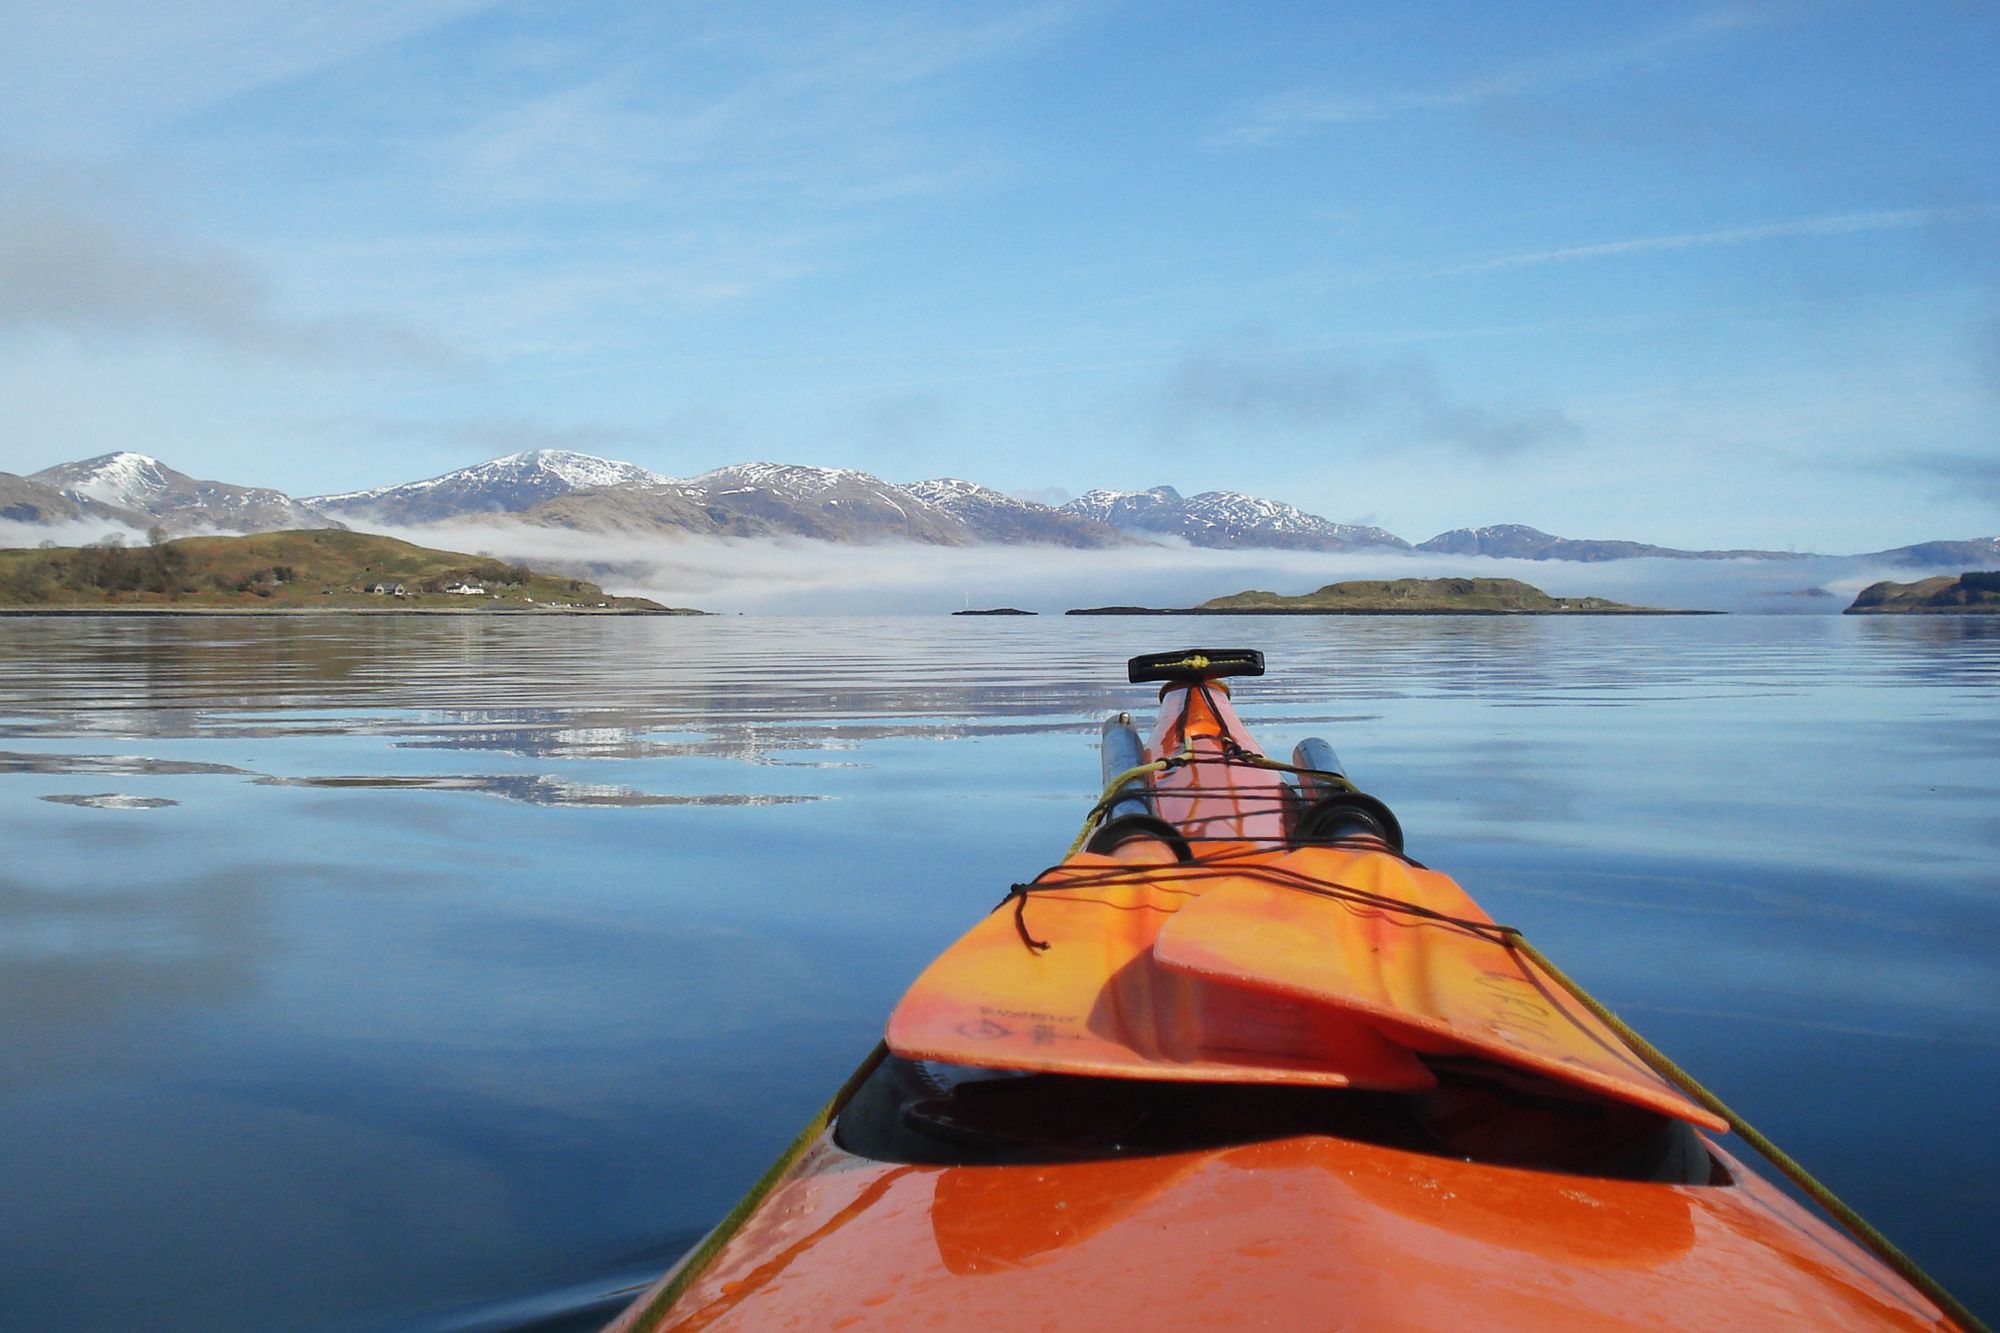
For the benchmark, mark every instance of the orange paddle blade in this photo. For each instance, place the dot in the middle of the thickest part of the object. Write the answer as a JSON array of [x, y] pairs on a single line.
[[1434, 987], [1096, 1002]]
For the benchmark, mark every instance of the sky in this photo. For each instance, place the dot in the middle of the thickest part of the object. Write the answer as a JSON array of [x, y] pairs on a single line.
[[1703, 275]]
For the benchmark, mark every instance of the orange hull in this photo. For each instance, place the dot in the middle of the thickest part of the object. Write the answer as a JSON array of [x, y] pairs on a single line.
[[1268, 1086], [1292, 1234]]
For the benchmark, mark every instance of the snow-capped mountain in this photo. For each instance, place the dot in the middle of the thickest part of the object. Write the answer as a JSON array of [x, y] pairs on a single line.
[[143, 485], [792, 481], [834, 504], [759, 500], [995, 517], [562, 489], [1225, 518], [25, 501], [502, 485]]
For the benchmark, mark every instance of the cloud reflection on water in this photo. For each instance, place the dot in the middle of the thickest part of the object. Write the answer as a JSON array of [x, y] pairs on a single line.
[[594, 1009]]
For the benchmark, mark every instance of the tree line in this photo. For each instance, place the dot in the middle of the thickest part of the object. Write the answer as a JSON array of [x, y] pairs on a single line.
[[56, 575]]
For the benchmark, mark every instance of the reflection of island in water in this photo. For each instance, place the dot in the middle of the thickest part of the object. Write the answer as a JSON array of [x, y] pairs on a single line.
[[1401, 597], [537, 789], [528, 788], [1971, 593], [401, 1004]]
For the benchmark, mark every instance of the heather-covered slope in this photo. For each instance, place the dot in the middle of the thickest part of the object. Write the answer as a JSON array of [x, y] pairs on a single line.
[[318, 569], [1972, 592]]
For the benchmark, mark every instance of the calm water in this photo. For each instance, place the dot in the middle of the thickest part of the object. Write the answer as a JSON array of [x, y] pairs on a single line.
[[455, 975]]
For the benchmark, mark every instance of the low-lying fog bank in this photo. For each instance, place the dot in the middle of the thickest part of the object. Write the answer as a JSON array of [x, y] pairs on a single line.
[[792, 577], [808, 577]]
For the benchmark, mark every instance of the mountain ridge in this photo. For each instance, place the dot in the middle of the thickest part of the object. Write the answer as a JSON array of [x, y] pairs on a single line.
[[1518, 541], [557, 488], [1224, 519], [507, 484], [140, 484], [23, 500]]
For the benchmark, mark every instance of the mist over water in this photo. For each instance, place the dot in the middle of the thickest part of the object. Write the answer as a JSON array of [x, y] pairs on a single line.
[[803, 577], [799, 576], [427, 974]]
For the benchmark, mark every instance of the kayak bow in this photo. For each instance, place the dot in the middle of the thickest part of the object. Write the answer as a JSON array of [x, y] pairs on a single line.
[[1238, 1058]]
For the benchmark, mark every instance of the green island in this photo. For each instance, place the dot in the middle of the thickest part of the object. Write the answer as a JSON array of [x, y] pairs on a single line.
[[317, 570], [1971, 593], [1401, 597]]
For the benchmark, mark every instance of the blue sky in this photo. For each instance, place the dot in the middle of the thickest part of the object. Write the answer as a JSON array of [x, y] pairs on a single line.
[[1704, 275]]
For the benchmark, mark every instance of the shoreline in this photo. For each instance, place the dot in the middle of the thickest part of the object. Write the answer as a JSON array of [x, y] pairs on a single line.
[[299, 612], [1371, 611]]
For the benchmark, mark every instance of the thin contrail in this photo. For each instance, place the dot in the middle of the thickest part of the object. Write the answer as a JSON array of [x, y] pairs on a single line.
[[1838, 224]]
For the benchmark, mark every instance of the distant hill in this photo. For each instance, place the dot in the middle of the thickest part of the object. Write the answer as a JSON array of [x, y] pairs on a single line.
[[1515, 541], [1446, 596], [634, 511], [1969, 593], [317, 569], [1420, 595], [143, 486], [1935, 555]]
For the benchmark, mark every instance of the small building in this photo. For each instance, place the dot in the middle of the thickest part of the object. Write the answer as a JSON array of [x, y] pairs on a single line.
[[465, 589]]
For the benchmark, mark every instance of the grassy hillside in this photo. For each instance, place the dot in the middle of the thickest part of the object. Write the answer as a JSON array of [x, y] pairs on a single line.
[[1419, 595], [320, 569], [1977, 593]]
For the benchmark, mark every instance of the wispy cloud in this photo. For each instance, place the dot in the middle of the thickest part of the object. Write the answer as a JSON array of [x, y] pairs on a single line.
[[670, 163], [69, 272], [1301, 111], [1978, 474], [1254, 389], [1837, 224], [731, 110], [90, 74]]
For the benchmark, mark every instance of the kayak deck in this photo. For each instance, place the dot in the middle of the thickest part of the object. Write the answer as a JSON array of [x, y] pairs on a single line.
[[1219, 1069]]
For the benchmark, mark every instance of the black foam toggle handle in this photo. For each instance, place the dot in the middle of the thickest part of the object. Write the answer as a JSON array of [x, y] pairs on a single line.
[[1192, 664]]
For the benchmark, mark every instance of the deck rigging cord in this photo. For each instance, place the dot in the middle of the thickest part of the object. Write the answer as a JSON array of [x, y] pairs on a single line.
[[1509, 936], [1512, 938], [1236, 859]]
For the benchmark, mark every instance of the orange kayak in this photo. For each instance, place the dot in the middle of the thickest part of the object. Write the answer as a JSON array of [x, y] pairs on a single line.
[[1237, 1059]]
